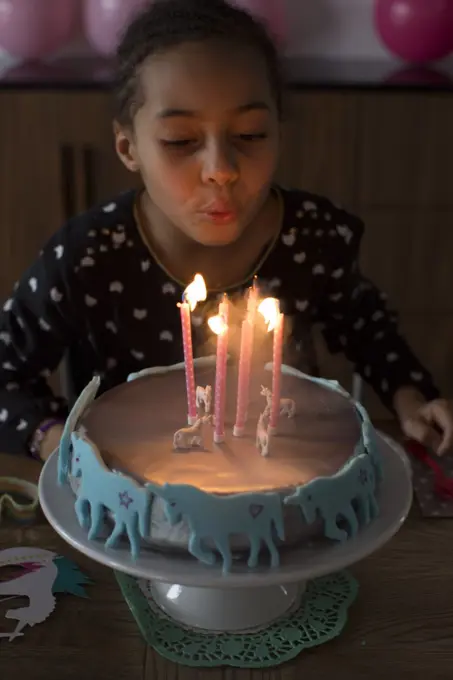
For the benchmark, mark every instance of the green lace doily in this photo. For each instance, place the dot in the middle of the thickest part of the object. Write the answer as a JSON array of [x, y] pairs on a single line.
[[321, 617]]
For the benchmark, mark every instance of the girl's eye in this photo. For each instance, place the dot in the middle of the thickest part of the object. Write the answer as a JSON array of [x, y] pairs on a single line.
[[253, 137], [177, 143]]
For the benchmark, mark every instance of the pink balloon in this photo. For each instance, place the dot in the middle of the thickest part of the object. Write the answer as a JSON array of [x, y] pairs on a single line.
[[105, 20], [32, 29], [272, 13], [416, 30]]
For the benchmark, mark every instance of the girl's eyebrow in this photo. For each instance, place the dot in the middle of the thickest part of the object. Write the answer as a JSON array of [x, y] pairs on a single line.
[[187, 113]]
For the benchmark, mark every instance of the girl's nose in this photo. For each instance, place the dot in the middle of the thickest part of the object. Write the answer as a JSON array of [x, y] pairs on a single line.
[[219, 164]]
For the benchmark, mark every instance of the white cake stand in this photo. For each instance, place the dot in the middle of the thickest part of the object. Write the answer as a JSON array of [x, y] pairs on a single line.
[[201, 597]]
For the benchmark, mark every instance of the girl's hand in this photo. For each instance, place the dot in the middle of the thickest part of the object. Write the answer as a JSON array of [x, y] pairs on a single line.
[[430, 423]]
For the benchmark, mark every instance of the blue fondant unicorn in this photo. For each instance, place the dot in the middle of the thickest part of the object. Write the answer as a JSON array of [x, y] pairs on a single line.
[[84, 400], [333, 497], [215, 517], [101, 490], [369, 439]]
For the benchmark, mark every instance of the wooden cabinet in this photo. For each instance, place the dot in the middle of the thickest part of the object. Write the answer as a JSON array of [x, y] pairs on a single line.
[[30, 206]]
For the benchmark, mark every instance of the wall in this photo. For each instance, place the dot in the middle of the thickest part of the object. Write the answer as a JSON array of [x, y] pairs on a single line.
[[320, 29]]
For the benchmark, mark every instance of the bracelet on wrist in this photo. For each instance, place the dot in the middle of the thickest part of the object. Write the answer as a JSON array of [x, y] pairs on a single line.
[[39, 435]]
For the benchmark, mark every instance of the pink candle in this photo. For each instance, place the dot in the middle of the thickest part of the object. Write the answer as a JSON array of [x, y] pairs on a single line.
[[276, 373], [245, 363], [219, 325], [188, 363], [194, 293]]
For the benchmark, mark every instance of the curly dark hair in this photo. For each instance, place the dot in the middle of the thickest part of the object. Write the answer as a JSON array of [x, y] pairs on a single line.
[[168, 23]]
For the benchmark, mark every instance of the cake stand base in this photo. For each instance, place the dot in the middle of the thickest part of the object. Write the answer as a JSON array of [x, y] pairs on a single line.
[[199, 596], [216, 610]]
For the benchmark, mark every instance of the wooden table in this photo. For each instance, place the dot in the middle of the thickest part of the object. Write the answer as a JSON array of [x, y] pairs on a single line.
[[400, 627]]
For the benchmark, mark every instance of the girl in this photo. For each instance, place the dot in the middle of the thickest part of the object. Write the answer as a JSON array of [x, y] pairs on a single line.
[[198, 102]]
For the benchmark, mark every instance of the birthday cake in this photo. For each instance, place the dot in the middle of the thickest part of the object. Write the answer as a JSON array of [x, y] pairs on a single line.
[[319, 478], [218, 460]]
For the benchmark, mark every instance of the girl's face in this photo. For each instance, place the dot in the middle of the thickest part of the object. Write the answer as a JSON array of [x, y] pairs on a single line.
[[206, 139]]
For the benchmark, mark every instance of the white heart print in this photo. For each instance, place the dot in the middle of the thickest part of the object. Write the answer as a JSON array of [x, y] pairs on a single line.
[[309, 206], [90, 301], [166, 336], [3, 415], [289, 239], [22, 425], [111, 363], [300, 257], [336, 297], [116, 287], [140, 314], [392, 356], [55, 295], [8, 366], [169, 288], [109, 208], [7, 306], [54, 406], [337, 273], [5, 338], [87, 262], [103, 248], [137, 355], [345, 232], [33, 283], [118, 238], [59, 250], [318, 269], [274, 283], [418, 377], [111, 327], [301, 305], [197, 321], [145, 265], [359, 324], [44, 325]]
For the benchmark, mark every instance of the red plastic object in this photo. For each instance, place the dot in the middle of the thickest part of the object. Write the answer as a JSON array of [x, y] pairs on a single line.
[[443, 484]]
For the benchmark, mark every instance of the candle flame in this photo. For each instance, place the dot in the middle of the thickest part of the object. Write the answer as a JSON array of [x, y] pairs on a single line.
[[270, 309], [195, 292], [217, 324]]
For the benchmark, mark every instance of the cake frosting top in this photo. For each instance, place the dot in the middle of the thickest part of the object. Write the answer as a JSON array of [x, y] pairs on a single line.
[[133, 426]]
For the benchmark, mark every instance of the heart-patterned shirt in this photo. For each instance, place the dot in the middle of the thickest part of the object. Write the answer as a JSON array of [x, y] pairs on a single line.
[[97, 292]]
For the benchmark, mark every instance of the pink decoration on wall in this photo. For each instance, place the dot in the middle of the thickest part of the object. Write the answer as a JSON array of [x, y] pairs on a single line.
[[105, 20], [418, 31], [272, 13], [33, 29]]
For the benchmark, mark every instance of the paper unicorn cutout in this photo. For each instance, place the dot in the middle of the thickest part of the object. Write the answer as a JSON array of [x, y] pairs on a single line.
[[84, 400], [369, 439], [45, 574], [333, 498], [102, 490], [216, 518]]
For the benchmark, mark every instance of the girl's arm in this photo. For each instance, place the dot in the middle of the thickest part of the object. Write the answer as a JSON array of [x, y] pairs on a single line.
[[37, 324], [358, 322]]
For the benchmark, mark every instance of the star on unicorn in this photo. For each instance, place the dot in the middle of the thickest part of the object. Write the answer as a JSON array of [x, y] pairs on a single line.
[[44, 575]]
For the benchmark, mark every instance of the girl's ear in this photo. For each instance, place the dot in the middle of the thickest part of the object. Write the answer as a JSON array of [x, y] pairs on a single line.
[[125, 147]]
